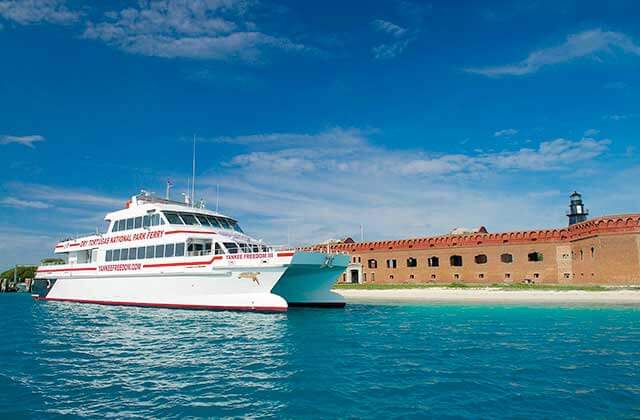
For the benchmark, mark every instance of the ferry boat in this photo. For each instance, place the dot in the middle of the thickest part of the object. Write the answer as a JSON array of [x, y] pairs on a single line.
[[163, 253]]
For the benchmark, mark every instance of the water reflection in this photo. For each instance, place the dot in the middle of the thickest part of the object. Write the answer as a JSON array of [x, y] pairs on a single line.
[[151, 361]]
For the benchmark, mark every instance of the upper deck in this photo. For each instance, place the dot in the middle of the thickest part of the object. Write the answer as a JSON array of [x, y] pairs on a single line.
[[146, 218]]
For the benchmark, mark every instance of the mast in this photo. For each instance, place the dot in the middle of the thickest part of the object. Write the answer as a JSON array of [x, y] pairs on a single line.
[[193, 173], [217, 196]]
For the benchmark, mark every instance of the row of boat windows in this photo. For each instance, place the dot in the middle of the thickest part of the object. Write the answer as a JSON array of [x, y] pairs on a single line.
[[201, 219], [175, 218], [456, 260], [193, 248], [143, 252], [137, 222]]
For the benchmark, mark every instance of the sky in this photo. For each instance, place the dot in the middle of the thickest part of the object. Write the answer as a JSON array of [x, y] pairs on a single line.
[[313, 118]]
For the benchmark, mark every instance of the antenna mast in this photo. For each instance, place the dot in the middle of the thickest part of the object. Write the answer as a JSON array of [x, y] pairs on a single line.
[[193, 173], [169, 186], [217, 196]]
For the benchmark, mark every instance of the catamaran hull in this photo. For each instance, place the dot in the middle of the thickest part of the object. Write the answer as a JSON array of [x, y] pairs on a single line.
[[309, 278], [305, 280], [223, 291]]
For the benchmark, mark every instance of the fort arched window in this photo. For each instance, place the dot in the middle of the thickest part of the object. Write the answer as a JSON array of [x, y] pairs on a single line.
[[391, 264], [593, 252], [480, 259], [412, 262], [506, 258], [433, 262], [373, 263], [535, 256], [455, 261]]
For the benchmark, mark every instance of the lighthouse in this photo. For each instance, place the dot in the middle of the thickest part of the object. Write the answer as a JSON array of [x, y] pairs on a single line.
[[577, 213]]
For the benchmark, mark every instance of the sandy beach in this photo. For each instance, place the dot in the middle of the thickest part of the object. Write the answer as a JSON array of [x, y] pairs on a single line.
[[489, 295]]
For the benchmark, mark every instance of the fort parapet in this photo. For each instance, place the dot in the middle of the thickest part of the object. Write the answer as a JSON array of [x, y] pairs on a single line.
[[603, 250]]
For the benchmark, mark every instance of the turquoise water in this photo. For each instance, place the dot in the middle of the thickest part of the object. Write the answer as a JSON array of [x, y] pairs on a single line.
[[60, 359]]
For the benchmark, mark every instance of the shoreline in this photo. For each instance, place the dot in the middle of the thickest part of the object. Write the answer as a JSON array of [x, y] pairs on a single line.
[[492, 296]]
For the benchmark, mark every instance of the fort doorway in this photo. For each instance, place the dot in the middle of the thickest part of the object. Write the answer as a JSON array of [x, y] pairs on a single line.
[[355, 276]]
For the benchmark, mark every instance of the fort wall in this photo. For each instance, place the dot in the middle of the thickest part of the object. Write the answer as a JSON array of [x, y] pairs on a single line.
[[604, 250]]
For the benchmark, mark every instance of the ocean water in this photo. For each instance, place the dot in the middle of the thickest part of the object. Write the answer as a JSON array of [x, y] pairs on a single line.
[[381, 361]]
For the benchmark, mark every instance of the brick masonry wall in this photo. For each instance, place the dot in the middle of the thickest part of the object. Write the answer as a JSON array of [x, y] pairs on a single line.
[[604, 250]]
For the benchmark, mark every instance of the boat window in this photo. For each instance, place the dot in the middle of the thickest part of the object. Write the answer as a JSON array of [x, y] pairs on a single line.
[[115, 226], [122, 225], [213, 221], [130, 223], [256, 248], [188, 219], [116, 255], [224, 223], [232, 247], [244, 248], [236, 227], [146, 221], [124, 254], [159, 251], [155, 220], [151, 251], [207, 248], [218, 249], [132, 253], [173, 218], [109, 255], [180, 249], [264, 248], [142, 252], [168, 250], [137, 222], [202, 219]]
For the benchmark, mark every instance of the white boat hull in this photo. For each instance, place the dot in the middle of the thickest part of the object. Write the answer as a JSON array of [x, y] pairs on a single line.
[[303, 279]]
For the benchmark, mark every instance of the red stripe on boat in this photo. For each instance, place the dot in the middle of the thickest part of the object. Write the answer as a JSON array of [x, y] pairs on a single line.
[[285, 254], [171, 305], [217, 257]]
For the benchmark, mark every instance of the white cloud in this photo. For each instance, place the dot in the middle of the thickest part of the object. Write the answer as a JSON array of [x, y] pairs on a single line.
[[64, 196], [26, 12], [591, 132], [202, 29], [24, 140], [26, 204], [619, 117], [402, 37], [19, 246], [582, 44], [390, 50], [389, 28], [323, 185], [333, 137], [506, 132]]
